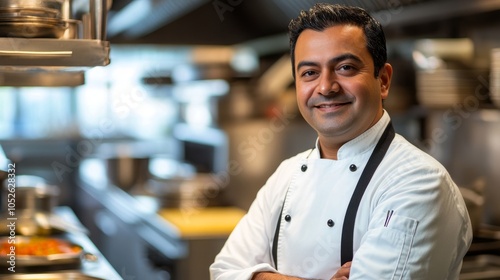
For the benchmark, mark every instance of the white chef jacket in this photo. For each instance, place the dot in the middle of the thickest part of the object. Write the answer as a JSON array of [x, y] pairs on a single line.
[[426, 236]]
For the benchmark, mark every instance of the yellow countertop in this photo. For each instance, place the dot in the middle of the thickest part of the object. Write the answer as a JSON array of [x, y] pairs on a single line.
[[203, 222]]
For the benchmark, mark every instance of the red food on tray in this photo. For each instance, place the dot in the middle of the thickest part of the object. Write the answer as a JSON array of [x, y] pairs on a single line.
[[38, 246]]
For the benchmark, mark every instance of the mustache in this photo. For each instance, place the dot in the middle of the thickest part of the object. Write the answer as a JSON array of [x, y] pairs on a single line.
[[335, 99]]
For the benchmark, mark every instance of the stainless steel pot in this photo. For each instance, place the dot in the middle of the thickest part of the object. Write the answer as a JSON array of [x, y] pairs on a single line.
[[31, 200], [32, 18], [41, 5], [127, 172], [33, 194]]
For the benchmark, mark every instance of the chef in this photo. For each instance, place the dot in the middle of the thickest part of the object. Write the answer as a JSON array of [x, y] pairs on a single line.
[[363, 203]]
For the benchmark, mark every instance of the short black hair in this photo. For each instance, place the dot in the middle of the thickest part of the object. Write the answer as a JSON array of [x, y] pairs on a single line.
[[321, 16]]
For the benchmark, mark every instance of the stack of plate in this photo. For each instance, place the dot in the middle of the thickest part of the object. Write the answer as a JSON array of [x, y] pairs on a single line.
[[440, 88], [495, 77], [31, 19]]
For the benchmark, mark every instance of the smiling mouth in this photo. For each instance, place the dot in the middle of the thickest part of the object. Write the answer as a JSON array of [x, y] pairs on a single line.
[[326, 106]]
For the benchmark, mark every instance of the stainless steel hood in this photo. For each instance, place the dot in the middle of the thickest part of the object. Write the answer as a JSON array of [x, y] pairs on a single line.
[[221, 22], [58, 61]]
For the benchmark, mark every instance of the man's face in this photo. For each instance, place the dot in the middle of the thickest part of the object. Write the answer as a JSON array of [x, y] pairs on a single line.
[[337, 92]]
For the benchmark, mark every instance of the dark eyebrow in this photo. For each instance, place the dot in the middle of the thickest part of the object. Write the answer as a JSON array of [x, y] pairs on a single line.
[[343, 57], [334, 60]]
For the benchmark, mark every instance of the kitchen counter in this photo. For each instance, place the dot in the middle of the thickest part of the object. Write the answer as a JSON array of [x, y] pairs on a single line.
[[99, 268], [159, 243], [93, 265]]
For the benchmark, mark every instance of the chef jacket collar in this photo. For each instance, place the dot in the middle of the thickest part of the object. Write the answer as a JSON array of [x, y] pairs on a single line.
[[365, 142]]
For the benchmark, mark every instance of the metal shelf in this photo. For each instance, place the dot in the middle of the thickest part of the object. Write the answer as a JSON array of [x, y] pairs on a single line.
[[61, 54]]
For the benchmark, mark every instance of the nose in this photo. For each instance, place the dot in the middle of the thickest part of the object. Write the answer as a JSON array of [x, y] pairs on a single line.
[[328, 84]]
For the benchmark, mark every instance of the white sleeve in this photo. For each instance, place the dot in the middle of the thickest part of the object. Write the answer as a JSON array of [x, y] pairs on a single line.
[[248, 248]]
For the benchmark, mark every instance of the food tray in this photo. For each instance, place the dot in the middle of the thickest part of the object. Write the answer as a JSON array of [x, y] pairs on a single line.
[[73, 257]]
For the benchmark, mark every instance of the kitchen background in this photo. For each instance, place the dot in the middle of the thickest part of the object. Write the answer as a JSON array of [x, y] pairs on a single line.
[[160, 152]]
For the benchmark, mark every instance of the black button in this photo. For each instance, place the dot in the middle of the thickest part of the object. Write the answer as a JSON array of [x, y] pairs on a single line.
[[288, 218], [303, 168], [353, 167], [330, 223]]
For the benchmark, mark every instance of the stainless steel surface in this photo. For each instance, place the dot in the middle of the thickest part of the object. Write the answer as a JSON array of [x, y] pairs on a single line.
[[480, 267], [98, 12], [34, 204], [31, 19], [36, 39], [122, 217], [73, 29], [127, 172], [257, 147], [41, 78], [99, 266], [32, 4], [37, 53], [210, 22], [466, 141], [34, 194], [32, 29], [474, 200]]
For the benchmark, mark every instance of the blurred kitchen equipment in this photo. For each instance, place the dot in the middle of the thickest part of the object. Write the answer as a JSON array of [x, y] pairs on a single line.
[[178, 185], [31, 18], [98, 14], [127, 172], [481, 267], [73, 29], [126, 163], [34, 194], [196, 191], [474, 200], [440, 88], [446, 74], [44, 36], [495, 77], [34, 201], [4, 166], [431, 54]]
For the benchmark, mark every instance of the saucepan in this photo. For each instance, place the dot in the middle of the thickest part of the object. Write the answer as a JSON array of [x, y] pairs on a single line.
[[31, 201]]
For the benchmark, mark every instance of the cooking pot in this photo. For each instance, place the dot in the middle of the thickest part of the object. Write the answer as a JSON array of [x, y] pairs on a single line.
[[32, 18], [32, 4], [33, 201], [32, 193], [127, 172]]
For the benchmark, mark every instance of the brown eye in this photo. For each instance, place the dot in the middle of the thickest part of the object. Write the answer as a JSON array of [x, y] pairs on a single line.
[[308, 73], [347, 70]]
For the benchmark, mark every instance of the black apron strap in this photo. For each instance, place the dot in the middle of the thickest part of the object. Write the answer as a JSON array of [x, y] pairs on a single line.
[[276, 234], [346, 250]]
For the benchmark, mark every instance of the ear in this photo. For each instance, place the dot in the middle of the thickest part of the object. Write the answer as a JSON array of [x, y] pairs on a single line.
[[385, 76]]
